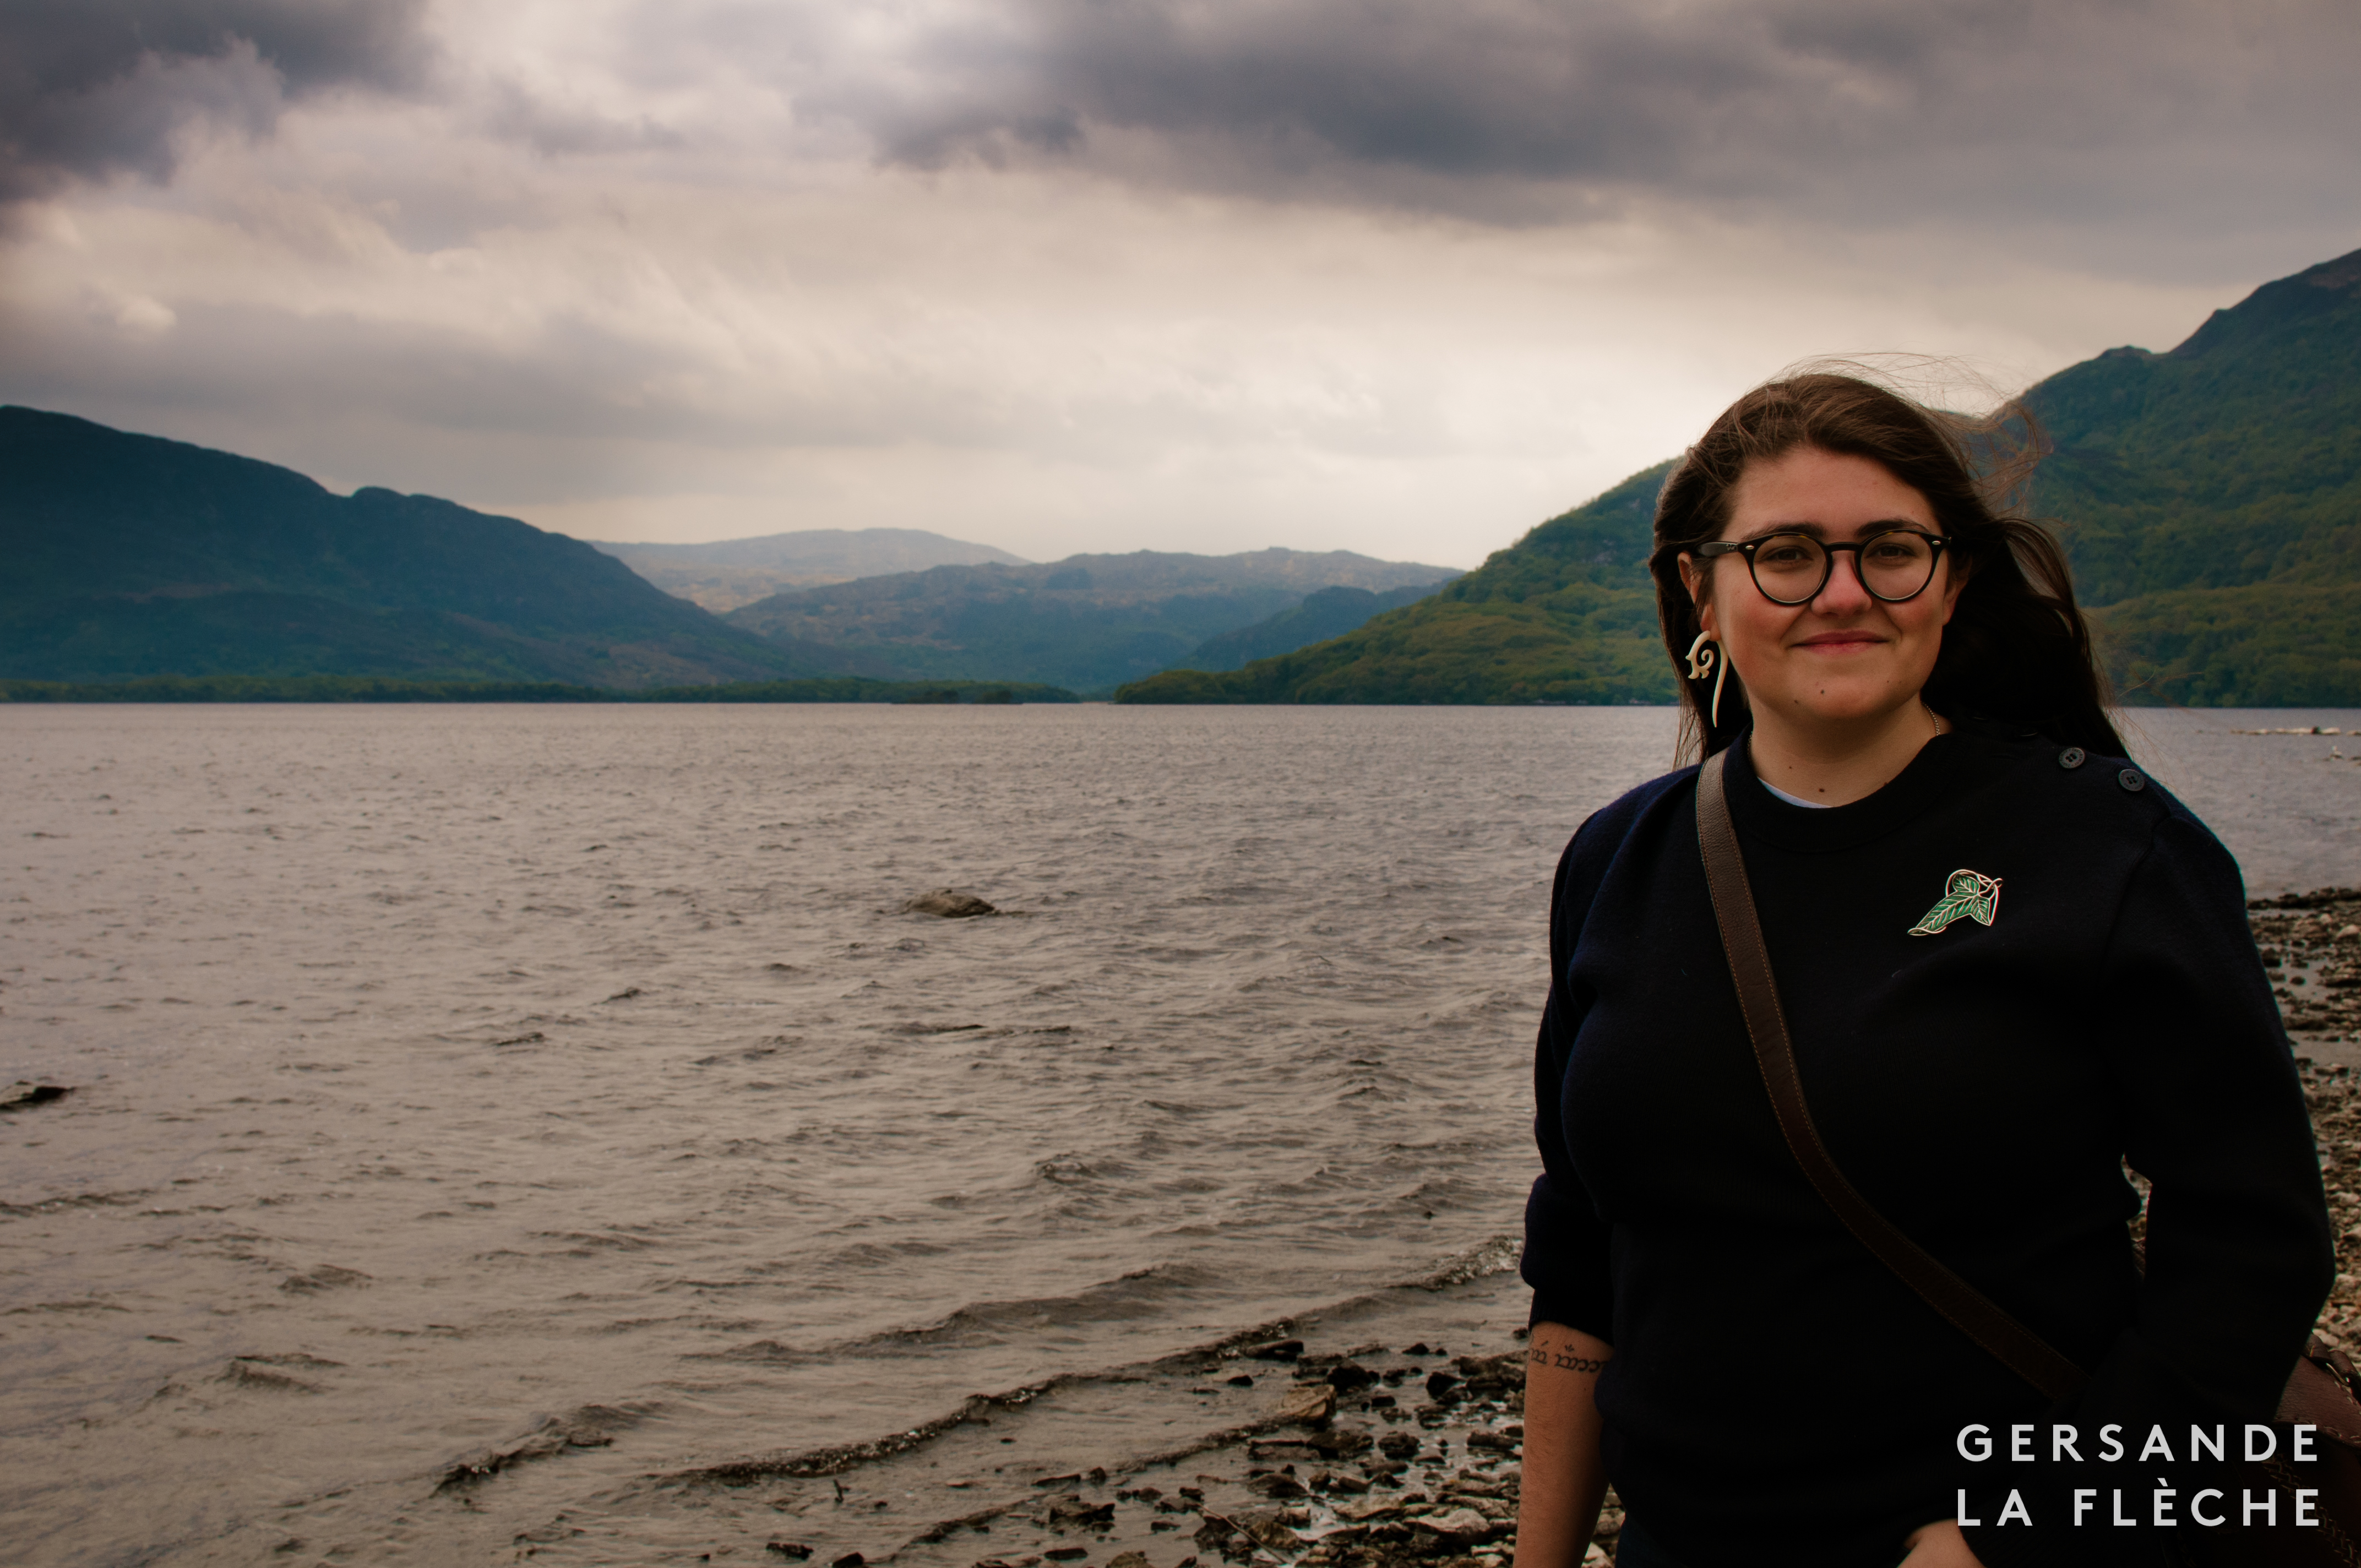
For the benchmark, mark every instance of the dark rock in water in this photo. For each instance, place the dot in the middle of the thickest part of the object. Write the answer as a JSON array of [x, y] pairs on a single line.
[[1349, 1376], [948, 903], [1439, 1384], [1419, 1349], [624, 995], [328, 1277], [1311, 1404], [1070, 1512], [1276, 1484], [1278, 1350], [850, 1559], [1243, 1380], [793, 1551], [1341, 1444], [1398, 1445], [1274, 1527], [1288, 1451], [592, 1426], [1121, 1559], [1066, 1553], [32, 1094]]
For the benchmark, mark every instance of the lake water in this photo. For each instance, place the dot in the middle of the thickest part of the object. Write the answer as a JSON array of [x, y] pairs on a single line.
[[559, 1091]]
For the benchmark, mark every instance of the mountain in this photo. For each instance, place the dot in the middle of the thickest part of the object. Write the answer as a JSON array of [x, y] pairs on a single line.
[[1330, 612], [2209, 499], [1567, 614], [1087, 622], [130, 555], [732, 572], [2212, 499]]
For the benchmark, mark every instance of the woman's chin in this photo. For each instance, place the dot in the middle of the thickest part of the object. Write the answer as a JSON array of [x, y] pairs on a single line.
[[1846, 704]]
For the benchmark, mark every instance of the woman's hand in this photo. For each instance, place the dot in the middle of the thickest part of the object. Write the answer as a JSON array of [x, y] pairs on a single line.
[[1939, 1546]]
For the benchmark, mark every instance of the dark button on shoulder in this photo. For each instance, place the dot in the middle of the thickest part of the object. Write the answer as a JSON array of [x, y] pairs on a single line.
[[2131, 780], [2073, 757]]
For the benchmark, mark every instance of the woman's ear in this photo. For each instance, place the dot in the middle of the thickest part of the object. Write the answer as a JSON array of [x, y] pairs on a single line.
[[1693, 578], [1958, 572]]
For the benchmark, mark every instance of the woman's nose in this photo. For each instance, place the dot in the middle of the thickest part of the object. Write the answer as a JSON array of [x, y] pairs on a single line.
[[1842, 593]]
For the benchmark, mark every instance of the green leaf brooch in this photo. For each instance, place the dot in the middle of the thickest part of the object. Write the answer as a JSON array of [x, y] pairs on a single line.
[[1968, 894]]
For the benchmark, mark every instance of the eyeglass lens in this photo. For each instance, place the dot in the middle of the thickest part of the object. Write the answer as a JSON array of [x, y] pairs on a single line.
[[1793, 567]]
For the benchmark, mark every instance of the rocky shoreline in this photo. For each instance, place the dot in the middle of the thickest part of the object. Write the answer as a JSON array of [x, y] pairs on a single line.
[[1370, 1458], [2311, 949]]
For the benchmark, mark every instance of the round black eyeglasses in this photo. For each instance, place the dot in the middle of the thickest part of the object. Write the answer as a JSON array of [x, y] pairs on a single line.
[[1791, 568]]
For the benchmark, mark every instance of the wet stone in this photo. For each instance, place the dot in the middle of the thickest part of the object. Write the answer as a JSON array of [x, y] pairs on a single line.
[[28, 1095], [1070, 1512], [949, 903]]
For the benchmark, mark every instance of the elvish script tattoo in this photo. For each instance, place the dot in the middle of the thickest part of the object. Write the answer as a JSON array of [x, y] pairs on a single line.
[[1566, 1361]]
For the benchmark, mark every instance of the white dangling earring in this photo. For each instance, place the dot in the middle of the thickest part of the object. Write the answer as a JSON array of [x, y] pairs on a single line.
[[1705, 659], [1701, 664]]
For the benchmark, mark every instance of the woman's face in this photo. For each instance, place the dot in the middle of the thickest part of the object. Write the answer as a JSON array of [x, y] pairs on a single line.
[[1843, 658]]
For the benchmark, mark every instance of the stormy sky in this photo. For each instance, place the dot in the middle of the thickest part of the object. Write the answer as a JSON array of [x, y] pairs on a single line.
[[1064, 275]]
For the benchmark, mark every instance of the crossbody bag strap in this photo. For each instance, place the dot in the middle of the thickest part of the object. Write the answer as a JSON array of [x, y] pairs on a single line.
[[1969, 1310]]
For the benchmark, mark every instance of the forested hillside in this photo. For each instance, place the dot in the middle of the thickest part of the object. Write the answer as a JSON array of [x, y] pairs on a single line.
[[1567, 614], [2210, 499], [1086, 623], [129, 555], [1329, 612]]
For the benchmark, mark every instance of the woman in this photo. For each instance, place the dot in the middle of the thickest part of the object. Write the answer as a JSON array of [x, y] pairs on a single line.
[[1913, 724]]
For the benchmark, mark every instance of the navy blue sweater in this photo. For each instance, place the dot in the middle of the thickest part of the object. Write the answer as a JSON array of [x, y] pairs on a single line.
[[1776, 1396]]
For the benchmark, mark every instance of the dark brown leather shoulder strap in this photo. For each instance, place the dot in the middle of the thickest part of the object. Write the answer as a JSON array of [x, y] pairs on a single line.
[[1969, 1310]]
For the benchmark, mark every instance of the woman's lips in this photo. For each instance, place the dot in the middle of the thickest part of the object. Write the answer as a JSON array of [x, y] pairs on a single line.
[[1839, 642]]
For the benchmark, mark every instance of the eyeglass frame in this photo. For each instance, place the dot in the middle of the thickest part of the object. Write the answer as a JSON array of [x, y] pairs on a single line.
[[1713, 548]]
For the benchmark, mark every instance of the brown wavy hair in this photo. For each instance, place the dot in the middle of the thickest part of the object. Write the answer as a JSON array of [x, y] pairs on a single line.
[[2016, 649]]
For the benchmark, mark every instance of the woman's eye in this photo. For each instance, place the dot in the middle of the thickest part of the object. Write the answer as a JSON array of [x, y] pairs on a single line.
[[1786, 555]]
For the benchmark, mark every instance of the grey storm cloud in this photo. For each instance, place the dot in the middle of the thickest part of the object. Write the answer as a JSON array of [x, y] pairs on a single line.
[[95, 88], [2031, 102]]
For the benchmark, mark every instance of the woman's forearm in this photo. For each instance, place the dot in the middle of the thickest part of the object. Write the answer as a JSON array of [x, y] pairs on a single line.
[[1565, 1475]]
